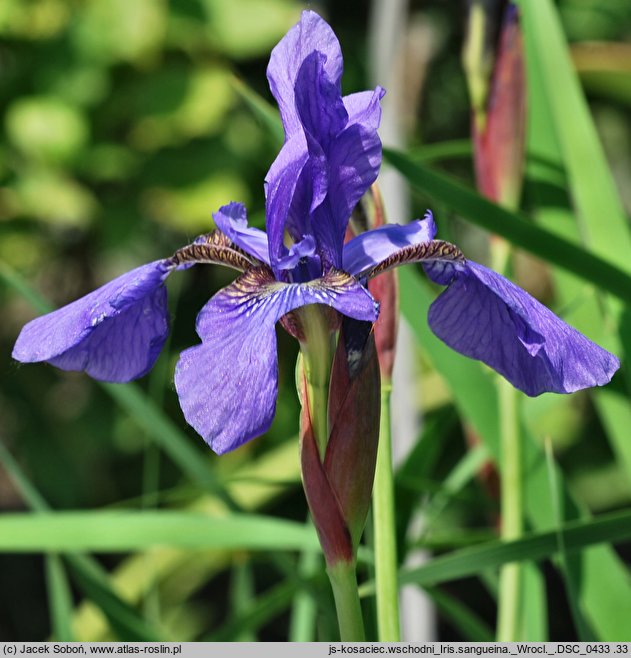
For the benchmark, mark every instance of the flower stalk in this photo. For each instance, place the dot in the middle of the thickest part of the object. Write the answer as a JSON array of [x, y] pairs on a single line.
[[349, 613], [511, 575], [338, 483], [384, 531], [384, 289]]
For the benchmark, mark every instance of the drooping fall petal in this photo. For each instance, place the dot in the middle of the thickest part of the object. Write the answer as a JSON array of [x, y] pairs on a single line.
[[228, 385], [114, 334], [484, 316]]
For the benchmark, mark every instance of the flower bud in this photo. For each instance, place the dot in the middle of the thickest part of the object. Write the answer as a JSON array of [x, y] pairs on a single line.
[[499, 140], [338, 488]]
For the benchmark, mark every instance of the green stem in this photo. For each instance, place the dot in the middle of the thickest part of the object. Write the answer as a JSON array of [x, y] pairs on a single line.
[[384, 529], [511, 575], [349, 613], [317, 350]]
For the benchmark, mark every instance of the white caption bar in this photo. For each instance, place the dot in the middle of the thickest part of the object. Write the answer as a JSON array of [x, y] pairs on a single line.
[[313, 649]]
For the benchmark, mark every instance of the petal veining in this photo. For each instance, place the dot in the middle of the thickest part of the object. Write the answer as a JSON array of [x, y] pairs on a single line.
[[484, 316], [228, 385], [114, 334]]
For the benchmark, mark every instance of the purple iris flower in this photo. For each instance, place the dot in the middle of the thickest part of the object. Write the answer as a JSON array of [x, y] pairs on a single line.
[[227, 385]]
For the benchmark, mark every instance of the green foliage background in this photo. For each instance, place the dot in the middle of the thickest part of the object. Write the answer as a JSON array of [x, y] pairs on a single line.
[[124, 125]]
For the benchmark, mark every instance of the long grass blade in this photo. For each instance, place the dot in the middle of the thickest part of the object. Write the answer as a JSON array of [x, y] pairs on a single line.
[[603, 218], [130, 531], [59, 599], [610, 528]]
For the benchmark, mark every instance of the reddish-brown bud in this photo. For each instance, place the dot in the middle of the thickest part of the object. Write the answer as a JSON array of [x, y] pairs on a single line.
[[354, 411], [339, 487], [499, 139], [384, 288], [333, 531]]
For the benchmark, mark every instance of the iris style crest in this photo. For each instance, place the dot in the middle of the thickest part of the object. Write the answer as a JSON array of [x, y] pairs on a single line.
[[227, 385]]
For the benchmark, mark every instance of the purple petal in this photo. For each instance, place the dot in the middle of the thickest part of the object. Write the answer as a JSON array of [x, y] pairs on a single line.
[[372, 247], [228, 385], [298, 251], [281, 184], [486, 317], [114, 334], [311, 34], [309, 193], [319, 103], [233, 221], [354, 162], [364, 107], [355, 156]]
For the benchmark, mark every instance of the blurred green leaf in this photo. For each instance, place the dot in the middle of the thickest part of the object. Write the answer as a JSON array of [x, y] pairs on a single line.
[[267, 114], [265, 607], [89, 575], [243, 28], [46, 129], [534, 604], [174, 107], [53, 197], [604, 221], [117, 30], [189, 208], [60, 599], [129, 531], [472, 627], [124, 620], [41, 19]]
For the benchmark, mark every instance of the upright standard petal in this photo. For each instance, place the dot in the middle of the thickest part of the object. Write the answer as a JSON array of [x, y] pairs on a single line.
[[354, 161], [332, 152], [484, 316], [228, 385], [364, 107], [233, 221], [114, 334], [285, 186], [311, 34], [319, 103]]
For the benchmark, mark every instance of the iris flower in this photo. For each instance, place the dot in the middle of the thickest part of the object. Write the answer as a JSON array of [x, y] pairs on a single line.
[[227, 384]]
